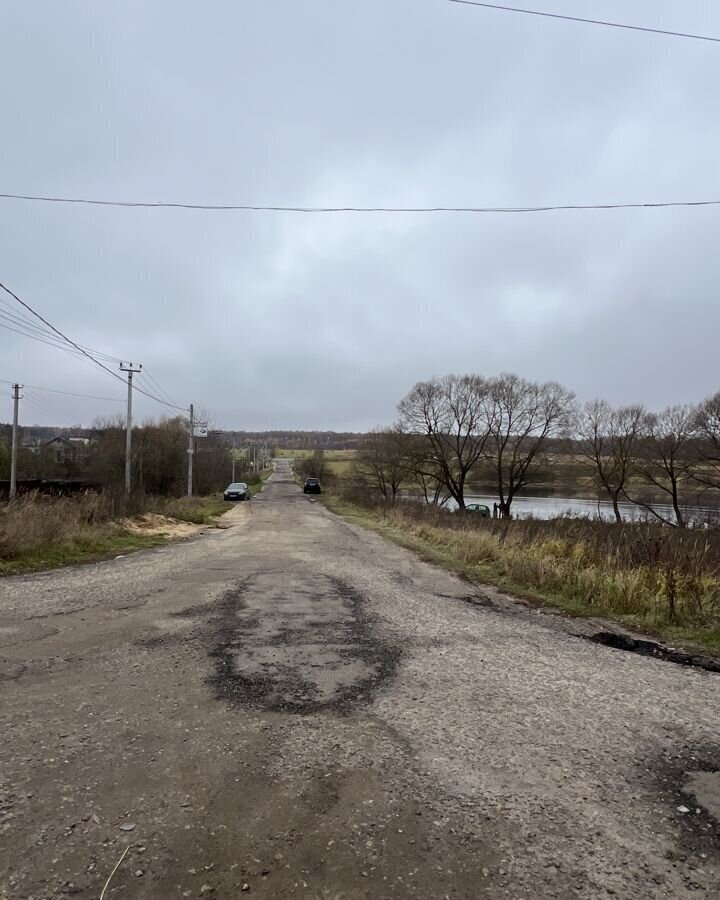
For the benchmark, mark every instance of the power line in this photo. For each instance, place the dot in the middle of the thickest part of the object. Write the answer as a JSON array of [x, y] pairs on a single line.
[[16, 317], [50, 408], [37, 334], [58, 332], [46, 412], [155, 386], [563, 207], [80, 348], [548, 15], [35, 387]]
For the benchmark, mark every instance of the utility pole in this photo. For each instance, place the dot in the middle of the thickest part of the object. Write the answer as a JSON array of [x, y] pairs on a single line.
[[191, 451], [233, 457], [130, 369], [13, 450]]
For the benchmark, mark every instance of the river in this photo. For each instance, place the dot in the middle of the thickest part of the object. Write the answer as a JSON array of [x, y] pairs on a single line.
[[555, 507]]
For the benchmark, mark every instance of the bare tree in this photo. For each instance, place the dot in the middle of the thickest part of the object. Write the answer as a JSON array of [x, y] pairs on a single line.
[[423, 469], [451, 412], [665, 459], [313, 466], [608, 442], [383, 460], [707, 424], [522, 416]]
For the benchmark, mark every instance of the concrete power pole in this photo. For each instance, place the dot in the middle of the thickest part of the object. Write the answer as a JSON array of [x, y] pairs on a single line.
[[191, 452], [13, 449], [128, 435]]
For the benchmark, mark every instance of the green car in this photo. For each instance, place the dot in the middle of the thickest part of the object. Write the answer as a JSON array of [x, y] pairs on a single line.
[[478, 509]]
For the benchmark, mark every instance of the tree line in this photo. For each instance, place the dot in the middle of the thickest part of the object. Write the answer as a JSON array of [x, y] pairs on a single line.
[[159, 459], [456, 429]]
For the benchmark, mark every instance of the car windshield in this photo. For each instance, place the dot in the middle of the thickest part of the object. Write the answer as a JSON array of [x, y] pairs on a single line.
[[312, 481], [240, 486]]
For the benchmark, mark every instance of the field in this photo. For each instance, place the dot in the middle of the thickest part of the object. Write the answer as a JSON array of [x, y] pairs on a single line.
[[337, 462]]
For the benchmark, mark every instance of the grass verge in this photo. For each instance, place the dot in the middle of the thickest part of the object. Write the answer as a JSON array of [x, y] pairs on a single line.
[[89, 548], [44, 532], [559, 573]]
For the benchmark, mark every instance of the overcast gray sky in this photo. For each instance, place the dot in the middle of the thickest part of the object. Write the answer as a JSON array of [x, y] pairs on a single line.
[[286, 321]]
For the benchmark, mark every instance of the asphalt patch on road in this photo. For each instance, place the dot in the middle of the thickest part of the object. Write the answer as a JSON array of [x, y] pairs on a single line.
[[654, 650], [301, 645], [687, 785]]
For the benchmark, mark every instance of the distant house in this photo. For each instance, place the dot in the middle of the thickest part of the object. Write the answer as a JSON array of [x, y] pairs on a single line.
[[70, 449]]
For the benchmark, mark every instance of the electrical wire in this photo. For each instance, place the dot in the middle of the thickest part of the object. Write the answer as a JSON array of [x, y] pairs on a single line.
[[83, 351], [135, 204], [156, 387], [49, 408], [36, 337], [10, 314], [46, 414], [548, 15], [35, 387]]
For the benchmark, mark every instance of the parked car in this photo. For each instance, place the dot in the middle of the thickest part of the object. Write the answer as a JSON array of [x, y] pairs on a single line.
[[478, 509], [237, 491], [312, 486]]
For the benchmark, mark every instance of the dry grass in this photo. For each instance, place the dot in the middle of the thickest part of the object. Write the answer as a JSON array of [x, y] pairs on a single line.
[[39, 531], [34, 521], [654, 577]]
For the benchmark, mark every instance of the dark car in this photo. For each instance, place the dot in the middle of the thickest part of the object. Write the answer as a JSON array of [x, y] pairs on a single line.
[[312, 486], [478, 509], [238, 491]]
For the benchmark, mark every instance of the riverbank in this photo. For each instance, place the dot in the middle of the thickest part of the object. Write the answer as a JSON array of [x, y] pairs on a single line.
[[661, 581]]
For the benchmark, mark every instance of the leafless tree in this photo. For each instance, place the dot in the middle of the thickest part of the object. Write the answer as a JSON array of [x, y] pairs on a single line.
[[707, 423], [313, 466], [451, 413], [423, 469], [522, 416], [608, 441], [665, 457], [383, 461]]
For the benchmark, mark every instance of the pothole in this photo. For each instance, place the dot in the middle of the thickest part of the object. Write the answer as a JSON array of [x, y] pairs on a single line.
[[654, 650]]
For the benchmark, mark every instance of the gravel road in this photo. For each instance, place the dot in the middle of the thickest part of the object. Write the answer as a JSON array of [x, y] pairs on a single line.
[[294, 707]]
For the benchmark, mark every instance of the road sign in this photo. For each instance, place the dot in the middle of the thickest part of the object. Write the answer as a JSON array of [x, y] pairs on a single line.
[[200, 430]]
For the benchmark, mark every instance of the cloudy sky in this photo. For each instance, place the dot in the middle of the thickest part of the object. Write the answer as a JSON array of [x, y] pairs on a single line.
[[280, 320]]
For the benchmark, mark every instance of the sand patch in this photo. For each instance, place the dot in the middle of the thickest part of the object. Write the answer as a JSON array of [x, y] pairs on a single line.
[[154, 523]]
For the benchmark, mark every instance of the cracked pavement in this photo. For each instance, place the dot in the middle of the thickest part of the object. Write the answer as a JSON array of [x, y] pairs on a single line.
[[295, 707]]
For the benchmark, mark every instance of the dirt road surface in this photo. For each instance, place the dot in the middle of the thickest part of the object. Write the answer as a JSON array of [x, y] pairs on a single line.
[[294, 708]]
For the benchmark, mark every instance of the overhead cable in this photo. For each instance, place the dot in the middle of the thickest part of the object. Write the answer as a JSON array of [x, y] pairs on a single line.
[[35, 387], [210, 207], [549, 15], [80, 348]]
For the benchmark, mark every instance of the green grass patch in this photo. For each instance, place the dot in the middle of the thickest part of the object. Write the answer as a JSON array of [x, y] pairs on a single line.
[[78, 550]]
